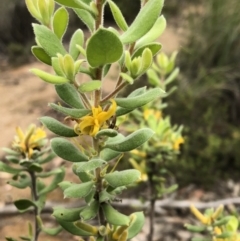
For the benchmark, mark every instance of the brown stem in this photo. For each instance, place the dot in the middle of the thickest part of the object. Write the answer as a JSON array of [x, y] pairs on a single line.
[[37, 229], [99, 186], [99, 19], [98, 93], [114, 93], [152, 200]]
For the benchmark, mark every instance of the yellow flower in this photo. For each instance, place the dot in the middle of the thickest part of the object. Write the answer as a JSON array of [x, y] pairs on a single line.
[[34, 138], [207, 219], [177, 143], [152, 113], [91, 124], [140, 167]]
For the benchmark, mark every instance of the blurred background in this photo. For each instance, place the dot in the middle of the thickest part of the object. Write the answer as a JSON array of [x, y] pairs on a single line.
[[206, 33]]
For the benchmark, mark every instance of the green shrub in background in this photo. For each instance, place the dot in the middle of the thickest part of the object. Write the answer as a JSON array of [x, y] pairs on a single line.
[[208, 100]]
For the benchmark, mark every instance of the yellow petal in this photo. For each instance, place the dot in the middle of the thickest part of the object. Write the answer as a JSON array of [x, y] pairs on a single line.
[[20, 133], [95, 128], [106, 115], [198, 215]]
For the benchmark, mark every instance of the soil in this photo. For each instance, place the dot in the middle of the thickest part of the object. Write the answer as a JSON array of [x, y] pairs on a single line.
[[24, 98]]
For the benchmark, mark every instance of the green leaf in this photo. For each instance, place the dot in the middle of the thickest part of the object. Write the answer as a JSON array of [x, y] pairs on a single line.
[[77, 38], [104, 47], [60, 22], [49, 78], [23, 182], [105, 196], [48, 40], [154, 33], [73, 229], [69, 95], [47, 158], [154, 47], [48, 174], [66, 150], [90, 86], [57, 127], [132, 141], [108, 154], [52, 231], [90, 212], [56, 180], [86, 18], [6, 168], [172, 76], [232, 224], [64, 185], [76, 113], [75, 4], [113, 216], [140, 100], [24, 204], [78, 190], [90, 165], [10, 239], [68, 215], [35, 167], [122, 178], [117, 15], [10, 151], [83, 176], [136, 224], [41, 55], [144, 21], [106, 132]]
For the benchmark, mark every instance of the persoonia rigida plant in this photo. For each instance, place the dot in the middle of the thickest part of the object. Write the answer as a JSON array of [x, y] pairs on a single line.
[[91, 113], [25, 160]]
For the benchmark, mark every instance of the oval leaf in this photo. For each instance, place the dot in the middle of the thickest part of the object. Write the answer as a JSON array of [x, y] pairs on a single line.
[[136, 224], [24, 204], [60, 22], [114, 217], [90, 165], [77, 38], [154, 33], [48, 40], [68, 215], [140, 26], [90, 212], [104, 47], [140, 100], [117, 15], [106, 132], [41, 55], [76, 113], [69, 95], [49, 78], [132, 141], [57, 127], [86, 17], [122, 178], [66, 150], [90, 86], [6, 168], [154, 47], [71, 228], [78, 190]]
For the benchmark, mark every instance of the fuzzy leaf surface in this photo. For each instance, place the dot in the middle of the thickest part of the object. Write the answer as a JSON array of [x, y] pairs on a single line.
[[144, 21], [78, 190], [104, 47], [122, 178], [67, 151], [57, 127], [132, 141], [48, 40], [69, 95]]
